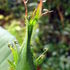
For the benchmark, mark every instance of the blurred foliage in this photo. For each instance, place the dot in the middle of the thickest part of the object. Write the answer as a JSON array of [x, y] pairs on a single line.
[[16, 29], [5, 54], [53, 31]]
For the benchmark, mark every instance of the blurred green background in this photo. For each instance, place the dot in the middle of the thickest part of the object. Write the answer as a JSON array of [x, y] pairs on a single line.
[[52, 30]]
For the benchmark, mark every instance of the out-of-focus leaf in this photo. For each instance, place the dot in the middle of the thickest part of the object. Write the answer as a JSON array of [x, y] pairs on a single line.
[[5, 54]]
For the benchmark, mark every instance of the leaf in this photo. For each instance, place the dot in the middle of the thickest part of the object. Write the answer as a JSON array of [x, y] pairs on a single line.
[[15, 53], [41, 58], [11, 64], [25, 60], [36, 14], [5, 54]]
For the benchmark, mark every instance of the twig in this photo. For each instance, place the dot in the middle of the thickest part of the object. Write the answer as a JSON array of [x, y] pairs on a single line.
[[61, 16], [25, 2]]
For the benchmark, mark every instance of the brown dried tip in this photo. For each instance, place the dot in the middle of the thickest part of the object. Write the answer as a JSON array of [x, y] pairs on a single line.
[[40, 5], [25, 2], [46, 11]]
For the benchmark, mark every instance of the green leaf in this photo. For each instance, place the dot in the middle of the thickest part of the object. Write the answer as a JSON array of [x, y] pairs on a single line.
[[15, 53], [36, 14], [25, 60], [5, 53]]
